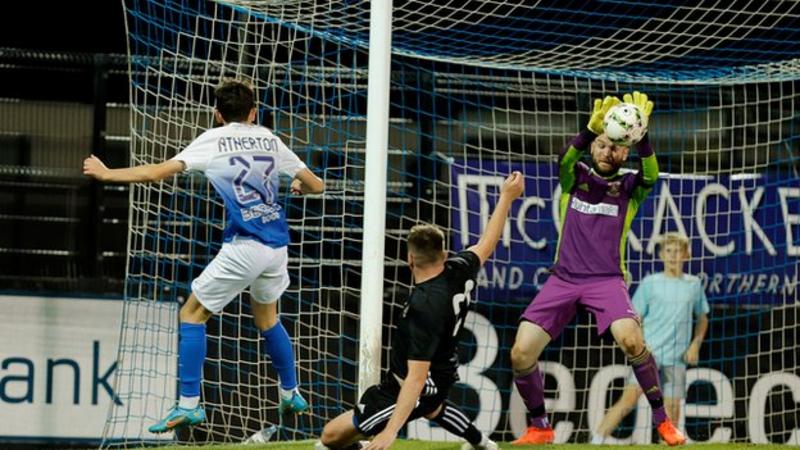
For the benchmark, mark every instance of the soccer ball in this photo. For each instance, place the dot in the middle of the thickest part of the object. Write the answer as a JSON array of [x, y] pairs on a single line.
[[625, 124]]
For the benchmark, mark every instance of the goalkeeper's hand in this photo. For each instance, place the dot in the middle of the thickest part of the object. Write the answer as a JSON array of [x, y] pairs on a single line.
[[601, 107], [641, 101]]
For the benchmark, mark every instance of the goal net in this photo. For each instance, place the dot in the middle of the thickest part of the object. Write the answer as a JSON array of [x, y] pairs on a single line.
[[478, 88]]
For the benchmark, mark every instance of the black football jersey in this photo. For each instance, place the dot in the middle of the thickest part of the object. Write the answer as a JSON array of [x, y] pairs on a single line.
[[432, 319]]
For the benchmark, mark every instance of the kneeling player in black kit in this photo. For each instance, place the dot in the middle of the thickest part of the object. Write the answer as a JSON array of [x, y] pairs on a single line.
[[423, 359]]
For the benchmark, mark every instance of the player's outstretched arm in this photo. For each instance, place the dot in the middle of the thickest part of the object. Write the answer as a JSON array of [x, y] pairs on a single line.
[[93, 167], [406, 401], [512, 189], [305, 182]]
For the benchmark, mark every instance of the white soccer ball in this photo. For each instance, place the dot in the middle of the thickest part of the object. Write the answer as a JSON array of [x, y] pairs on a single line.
[[625, 124]]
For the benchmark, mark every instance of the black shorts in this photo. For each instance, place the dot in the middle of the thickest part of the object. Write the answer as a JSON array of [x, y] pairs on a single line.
[[376, 406]]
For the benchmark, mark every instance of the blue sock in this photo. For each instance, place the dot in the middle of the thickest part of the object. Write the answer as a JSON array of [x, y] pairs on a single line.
[[279, 348], [191, 355]]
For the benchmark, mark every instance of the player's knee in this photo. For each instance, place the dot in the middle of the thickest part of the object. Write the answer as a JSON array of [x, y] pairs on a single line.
[[194, 312], [521, 358], [435, 413], [632, 345], [265, 315], [330, 436]]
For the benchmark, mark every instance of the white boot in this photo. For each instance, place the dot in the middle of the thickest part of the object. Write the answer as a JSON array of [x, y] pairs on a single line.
[[598, 439], [486, 444]]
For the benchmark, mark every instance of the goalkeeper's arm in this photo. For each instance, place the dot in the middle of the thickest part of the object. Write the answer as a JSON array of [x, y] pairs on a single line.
[[648, 173], [93, 167], [570, 155]]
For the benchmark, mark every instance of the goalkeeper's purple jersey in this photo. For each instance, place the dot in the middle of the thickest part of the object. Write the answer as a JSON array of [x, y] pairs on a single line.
[[596, 213]]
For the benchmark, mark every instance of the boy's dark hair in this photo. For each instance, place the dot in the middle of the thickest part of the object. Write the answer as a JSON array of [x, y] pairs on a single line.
[[426, 243], [234, 99]]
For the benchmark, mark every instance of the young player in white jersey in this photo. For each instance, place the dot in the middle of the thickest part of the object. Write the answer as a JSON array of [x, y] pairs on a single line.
[[666, 302], [243, 162]]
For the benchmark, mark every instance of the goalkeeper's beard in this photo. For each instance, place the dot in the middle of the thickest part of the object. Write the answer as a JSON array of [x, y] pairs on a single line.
[[606, 173]]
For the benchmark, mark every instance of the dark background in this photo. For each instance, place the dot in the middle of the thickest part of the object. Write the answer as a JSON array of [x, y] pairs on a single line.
[[92, 26], [62, 232]]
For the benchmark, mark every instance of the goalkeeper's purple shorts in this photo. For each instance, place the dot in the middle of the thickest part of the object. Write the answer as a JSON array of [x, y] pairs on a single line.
[[555, 305]]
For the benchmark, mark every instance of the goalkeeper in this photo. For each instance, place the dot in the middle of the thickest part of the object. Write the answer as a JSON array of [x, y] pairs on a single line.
[[242, 161], [597, 206], [666, 302]]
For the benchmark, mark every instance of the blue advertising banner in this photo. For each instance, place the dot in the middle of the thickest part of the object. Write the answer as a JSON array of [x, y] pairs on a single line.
[[744, 230]]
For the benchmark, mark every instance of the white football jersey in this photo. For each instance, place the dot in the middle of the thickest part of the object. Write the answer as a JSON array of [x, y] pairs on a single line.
[[243, 163]]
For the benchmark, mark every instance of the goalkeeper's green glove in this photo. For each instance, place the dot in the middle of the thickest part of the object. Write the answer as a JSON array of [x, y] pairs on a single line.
[[601, 107], [640, 100]]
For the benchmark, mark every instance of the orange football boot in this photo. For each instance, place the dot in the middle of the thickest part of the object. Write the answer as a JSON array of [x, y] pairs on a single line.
[[671, 435], [536, 436]]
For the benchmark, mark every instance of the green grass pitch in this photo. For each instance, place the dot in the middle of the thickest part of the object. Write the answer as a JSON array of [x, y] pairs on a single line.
[[424, 445]]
